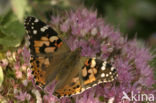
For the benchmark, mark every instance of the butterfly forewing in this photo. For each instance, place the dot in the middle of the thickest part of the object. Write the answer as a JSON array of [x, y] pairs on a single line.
[[43, 39], [44, 42]]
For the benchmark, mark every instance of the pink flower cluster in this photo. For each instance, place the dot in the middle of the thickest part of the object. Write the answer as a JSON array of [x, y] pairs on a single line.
[[83, 28], [15, 69]]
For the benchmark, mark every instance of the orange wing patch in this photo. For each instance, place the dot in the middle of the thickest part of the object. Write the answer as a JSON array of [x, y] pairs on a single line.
[[38, 73], [70, 89], [46, 45], [91, 72], [38, 69]]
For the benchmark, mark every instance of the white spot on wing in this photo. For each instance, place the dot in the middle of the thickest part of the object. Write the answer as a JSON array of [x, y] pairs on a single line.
[[103, 75], [44, 28], [36, 20], [107, 75], [35, 31], [112, 68], [104, 63], [103, 68], [110, 73]]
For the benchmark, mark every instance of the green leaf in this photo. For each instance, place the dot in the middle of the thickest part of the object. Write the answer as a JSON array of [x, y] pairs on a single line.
[[11, 32], [20, 8], [1, 76], [7, 17]]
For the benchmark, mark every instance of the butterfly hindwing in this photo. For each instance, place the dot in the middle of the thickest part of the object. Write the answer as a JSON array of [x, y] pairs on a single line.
[[96, 71], [93, 72], [72, 88]]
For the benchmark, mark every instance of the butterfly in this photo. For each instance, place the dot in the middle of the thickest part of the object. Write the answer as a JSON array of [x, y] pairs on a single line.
[[52, 59]]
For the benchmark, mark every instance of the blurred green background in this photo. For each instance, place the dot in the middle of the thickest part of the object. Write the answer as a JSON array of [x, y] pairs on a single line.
[[134, 18]]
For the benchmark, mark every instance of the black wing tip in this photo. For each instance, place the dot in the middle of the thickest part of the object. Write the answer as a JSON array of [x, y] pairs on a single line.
[[30, 17]]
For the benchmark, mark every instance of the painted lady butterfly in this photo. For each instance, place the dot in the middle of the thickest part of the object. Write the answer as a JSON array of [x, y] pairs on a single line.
[[51, 59]]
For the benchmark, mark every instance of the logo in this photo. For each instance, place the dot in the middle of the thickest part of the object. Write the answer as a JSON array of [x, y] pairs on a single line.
[[137, 97]]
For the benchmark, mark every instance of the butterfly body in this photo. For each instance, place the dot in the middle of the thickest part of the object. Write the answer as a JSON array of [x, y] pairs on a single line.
[[68, 67], [51, 59]]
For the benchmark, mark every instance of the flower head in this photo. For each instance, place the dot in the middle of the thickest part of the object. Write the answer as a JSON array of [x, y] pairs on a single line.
[[98, 39], [23, 96]]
